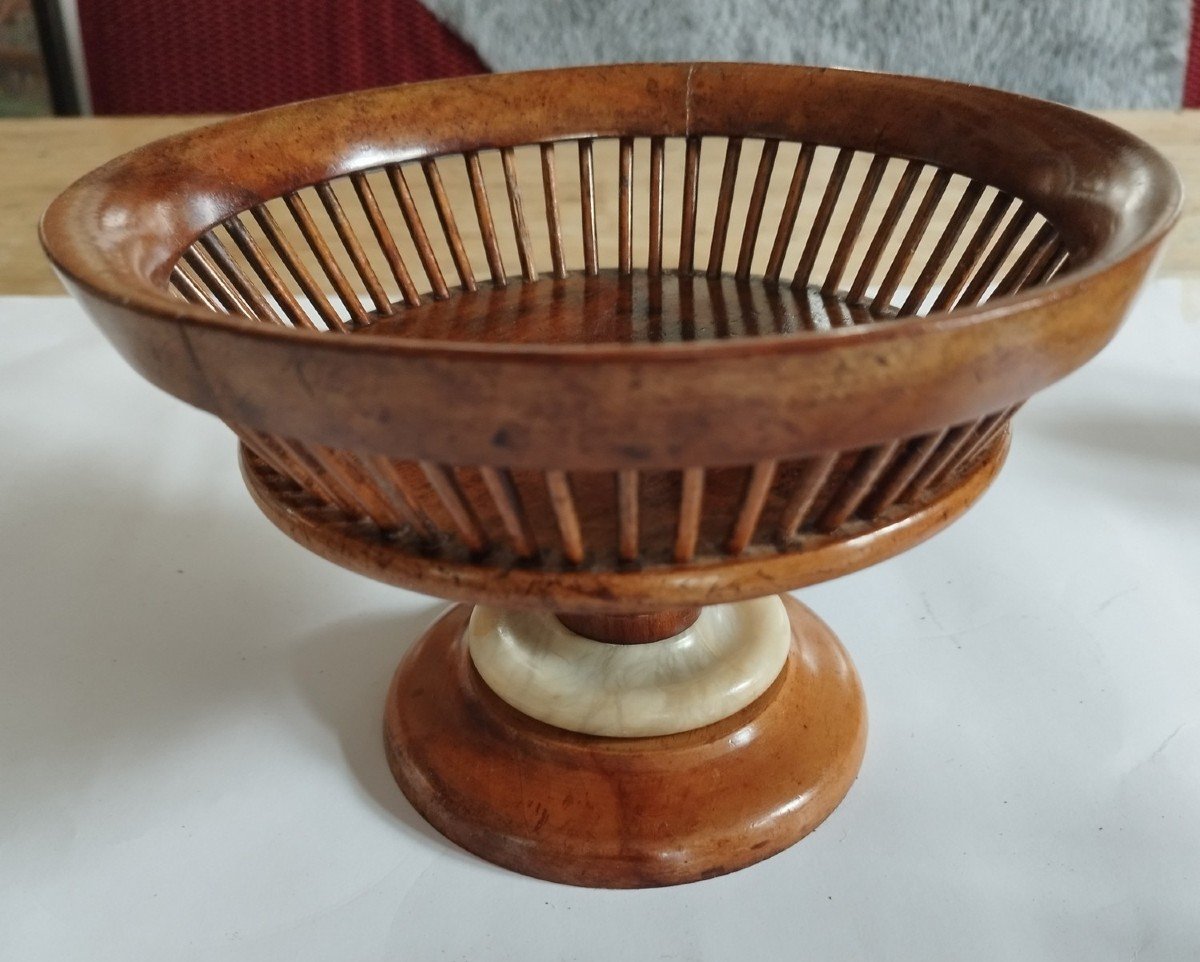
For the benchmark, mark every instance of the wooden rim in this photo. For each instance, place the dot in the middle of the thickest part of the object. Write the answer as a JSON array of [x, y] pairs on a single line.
[[115, 237], [77, 235]]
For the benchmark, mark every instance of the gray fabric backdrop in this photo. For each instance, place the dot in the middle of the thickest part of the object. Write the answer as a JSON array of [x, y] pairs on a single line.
[[1091, 53]]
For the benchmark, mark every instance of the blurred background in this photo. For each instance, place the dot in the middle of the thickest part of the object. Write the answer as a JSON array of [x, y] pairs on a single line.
[[209, 56]]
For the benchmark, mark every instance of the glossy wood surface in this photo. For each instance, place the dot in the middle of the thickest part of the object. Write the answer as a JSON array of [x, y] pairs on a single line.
[[596, 588], [294, 383], [630, 629], [41, 156], [621, 813]]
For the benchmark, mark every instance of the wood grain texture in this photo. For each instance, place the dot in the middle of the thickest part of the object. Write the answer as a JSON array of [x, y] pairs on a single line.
[[40, 157], [606, 585], [678, 335], [623, 813]]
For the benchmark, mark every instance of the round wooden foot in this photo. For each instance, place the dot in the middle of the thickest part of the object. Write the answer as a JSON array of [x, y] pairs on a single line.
[[624, 812]]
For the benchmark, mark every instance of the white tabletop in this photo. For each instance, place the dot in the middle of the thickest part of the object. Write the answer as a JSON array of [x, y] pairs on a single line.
[[190, 704]]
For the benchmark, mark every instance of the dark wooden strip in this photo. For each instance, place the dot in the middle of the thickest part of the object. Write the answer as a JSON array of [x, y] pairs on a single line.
[[691, 188], [441, 479], [563, 503], [190, 290], [989, 427], [625, 206], [627, 512], [354, 248], [654, 258], [941, 250], [716, 253], [389, 487], [866, 472], [416, 230], [587, 201], [883, 233], [266, 272], [330, 482], [383, 236], [333, 271], [295, 265], [754, 211], [445, 212], [249, 291], [919, 452], [820, 224], [970, 257], [854, 226], [808, 486], [755, 498], [910, 242], [222, 291], [553, 223], [517, 211], [483, 213], [1035, 256], [787, 217], [954, 441], [508, 504], [691, 498], [1017, 224]]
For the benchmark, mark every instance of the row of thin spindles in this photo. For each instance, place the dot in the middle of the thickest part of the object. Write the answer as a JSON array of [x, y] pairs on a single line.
[[267, 282], [371, 488]]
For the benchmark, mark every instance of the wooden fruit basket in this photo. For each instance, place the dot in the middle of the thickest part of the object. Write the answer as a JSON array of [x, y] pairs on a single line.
[[618, 355]]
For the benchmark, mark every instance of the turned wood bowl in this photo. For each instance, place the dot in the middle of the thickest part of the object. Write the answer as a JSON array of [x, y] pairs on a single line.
[[618, 343]]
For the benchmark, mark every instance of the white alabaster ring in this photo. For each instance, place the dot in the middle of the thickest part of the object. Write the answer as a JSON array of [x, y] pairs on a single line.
[[709, 671]]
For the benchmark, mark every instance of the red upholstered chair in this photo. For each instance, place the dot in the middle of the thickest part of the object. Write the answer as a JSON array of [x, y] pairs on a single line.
[[1191, 80], [211, 56]]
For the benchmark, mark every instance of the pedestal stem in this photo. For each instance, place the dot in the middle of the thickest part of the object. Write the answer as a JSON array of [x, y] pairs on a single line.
[[637, 629]]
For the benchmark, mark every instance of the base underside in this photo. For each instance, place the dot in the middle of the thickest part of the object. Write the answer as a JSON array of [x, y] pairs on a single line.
[[624, 813]]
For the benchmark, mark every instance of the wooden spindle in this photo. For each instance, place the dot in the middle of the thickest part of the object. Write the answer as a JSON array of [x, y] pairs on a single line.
[[757, 488], [716, 253], [625, 206], [445, 213], [300, 274], [854, 226], [862, 477], [754, 211], [517, 212], [587, 201], [358, 257], [266, 272], [483, 213], [328, 263], [969, 259], [441, 479], [691, 498], [628, 547], [512, 513], [812, 478], [249, 291], [553, 224], [910, 242], [883, 233], [1021, 219], [941, 251], [791, 208], [384, 238], [654, 258], [563, 503], [691, 199], [416, 230], [820, 224]]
